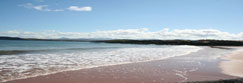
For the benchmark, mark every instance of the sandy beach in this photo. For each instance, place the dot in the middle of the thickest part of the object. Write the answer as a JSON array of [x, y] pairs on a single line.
[[233, 64], [121, 41], [198, 66]]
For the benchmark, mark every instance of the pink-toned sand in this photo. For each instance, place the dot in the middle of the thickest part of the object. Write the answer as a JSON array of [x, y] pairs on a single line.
[[192, 67], [233, 64]]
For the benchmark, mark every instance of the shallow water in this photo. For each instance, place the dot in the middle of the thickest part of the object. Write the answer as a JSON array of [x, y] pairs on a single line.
[[22, 59]]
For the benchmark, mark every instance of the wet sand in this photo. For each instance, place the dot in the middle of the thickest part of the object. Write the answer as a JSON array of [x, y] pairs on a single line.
[[233, 64], [198, 66]]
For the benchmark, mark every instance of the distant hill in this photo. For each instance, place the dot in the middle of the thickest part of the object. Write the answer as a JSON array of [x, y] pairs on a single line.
[[178, 42], [10, 38], [60, 39], [129, 41]]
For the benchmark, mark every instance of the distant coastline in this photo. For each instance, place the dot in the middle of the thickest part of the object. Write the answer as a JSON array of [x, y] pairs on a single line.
[[59, 39], [205, 42], [179, 42]]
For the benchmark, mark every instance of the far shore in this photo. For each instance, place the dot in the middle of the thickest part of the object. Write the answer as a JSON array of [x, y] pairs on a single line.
[[202, 42]]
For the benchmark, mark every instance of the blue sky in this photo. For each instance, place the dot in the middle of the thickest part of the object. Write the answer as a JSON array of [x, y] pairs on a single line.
[[155, 15]]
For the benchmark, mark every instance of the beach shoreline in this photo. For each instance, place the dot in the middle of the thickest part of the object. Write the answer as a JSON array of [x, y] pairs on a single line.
[[192, 67], [233, 63]]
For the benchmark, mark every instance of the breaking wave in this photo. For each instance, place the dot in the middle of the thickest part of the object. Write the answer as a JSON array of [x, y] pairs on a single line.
[[27, 64]]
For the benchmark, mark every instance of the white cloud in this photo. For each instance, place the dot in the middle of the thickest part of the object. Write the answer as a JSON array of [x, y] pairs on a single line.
[[76, 8], [45, 8], [39, 7], [142, 33]]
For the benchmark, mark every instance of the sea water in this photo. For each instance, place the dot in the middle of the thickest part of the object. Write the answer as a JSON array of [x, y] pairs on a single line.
[[22, 59]]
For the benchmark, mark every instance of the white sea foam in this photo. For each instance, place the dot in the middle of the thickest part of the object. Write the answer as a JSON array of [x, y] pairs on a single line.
[[29, 65]]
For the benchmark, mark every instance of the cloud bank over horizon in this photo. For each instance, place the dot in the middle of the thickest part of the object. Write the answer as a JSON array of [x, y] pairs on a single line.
[[142, 33]]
